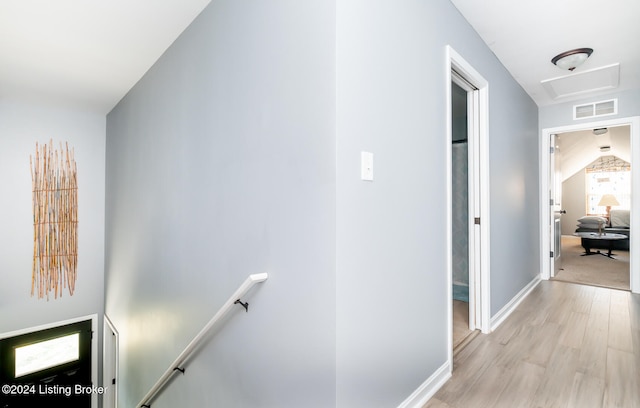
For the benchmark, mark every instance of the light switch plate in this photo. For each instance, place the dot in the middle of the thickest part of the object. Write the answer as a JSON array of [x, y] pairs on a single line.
[[366, 163]]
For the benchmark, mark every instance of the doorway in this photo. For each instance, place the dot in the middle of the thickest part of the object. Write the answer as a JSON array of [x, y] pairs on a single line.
[[591, 166], [463, 321], [468, 217], [547, 241], [48, 367]]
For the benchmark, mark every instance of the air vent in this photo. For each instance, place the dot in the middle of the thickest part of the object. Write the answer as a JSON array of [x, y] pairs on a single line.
[[596, 109]]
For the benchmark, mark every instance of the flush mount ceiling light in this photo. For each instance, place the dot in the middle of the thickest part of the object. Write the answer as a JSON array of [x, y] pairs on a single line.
[[571, 59], [600, 131]]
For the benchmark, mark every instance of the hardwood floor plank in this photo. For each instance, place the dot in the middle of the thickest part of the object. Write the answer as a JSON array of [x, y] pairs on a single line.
[[584, 299], [619, 322], [436, 403], [520, 388], [509, 328], [587, 391], [556, 385], [593, 355], [460, 321], [486, 390], [621, 384], [475, 365], [543, 342], [573, 331], [564, 346], [599, 313]]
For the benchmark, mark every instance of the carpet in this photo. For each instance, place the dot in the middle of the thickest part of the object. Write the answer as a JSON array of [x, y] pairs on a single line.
[[461, 293], [595, 270]]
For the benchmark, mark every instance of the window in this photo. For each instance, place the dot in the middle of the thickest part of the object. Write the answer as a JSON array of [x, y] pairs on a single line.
[[46, 354], [613, 181], [57, 359]]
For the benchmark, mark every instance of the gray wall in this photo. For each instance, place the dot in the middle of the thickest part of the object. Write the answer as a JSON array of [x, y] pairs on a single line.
[[562, 114], [220, 164], [22, 124], [239, 153], [391, 268]]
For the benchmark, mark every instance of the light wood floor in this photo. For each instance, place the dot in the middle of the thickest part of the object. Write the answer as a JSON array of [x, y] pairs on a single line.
[[566, 345], [460, 322]]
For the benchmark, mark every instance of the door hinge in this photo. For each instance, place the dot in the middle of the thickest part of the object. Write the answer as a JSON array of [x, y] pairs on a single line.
[[551, 254], [113, 381], [551, 149], [476, 220]]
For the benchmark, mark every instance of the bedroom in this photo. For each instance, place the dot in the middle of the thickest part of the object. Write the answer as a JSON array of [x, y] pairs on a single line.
[[594, 163]]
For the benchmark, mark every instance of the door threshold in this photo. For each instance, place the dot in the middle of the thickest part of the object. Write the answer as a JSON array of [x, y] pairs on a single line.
[[465, 342]]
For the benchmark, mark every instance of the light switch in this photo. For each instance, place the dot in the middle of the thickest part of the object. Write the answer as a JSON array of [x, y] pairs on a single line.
[[366, 162]]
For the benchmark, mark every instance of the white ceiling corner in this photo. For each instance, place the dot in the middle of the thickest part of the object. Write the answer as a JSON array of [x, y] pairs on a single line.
[[92, 52], [87, 53], [525, 36]]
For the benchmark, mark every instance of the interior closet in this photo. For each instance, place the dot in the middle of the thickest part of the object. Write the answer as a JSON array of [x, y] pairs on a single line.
[[460, 215]]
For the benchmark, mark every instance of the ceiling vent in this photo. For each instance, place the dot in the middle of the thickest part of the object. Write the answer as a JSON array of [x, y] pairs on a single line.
[[595, 109]]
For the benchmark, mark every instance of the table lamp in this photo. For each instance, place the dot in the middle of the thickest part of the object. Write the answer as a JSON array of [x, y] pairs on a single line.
[[608, 200]]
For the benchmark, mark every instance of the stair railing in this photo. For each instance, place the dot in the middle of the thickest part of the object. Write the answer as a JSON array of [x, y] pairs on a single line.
[[178, 364]]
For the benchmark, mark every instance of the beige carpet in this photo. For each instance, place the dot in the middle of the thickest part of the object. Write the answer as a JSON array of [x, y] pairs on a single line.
[[596, 270]]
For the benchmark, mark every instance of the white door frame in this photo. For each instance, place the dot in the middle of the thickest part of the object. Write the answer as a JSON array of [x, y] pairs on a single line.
[[545, 216], [478, 144], [110, 345]]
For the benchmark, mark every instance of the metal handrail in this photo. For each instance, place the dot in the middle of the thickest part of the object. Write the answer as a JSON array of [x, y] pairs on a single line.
[[177, 365]]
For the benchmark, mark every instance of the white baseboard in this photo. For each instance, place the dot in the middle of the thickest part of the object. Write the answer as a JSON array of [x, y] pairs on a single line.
[[428, 388], [510, 307]]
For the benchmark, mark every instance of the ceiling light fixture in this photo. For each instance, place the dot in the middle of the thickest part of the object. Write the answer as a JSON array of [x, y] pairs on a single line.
[[600, 131], [571, 59]]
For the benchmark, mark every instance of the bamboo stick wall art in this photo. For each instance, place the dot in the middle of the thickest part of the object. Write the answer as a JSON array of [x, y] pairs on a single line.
[[55, 221]]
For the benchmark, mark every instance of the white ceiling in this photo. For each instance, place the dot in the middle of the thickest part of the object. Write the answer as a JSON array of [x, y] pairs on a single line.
[[92, 52], [526, 35], [579, 149], [86, 52]]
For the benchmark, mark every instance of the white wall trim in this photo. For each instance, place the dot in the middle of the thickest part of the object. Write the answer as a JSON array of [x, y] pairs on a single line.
[[109, 330], [503, 313], [634, 243], [425, 391], [94, 343]]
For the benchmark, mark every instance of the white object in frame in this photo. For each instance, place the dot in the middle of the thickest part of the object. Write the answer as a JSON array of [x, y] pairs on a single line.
[[366, 160]]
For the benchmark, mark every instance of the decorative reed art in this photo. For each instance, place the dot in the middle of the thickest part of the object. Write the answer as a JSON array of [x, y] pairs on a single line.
[[55, 220]]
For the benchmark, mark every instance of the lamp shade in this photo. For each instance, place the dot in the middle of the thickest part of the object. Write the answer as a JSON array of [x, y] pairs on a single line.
[[608, 200]]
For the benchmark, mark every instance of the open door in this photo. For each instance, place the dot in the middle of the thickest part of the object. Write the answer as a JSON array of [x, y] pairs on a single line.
[[555, 201]]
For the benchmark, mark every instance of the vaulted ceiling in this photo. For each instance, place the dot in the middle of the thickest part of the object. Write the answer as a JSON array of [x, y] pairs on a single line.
[[93, 52], [579, 149], [87, 53]]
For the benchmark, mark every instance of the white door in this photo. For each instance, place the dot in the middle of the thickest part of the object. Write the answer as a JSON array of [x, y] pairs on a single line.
[[555, 201]]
